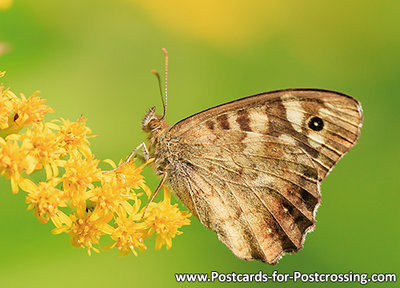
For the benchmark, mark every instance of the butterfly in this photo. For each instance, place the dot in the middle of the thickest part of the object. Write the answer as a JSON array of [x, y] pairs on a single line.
[[251, 169]]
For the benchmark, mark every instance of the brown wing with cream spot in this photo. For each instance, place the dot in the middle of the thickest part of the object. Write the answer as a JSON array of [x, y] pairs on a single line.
[[292, 115], [257, 192]]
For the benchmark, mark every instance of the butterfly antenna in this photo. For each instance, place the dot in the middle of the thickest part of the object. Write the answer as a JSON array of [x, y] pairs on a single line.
[[155, 72], [166, 82]]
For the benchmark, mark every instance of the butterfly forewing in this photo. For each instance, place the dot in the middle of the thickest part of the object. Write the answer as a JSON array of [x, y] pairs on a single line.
[[286, 114], [251, 169]]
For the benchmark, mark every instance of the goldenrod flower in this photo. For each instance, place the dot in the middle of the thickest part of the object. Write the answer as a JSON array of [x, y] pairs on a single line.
[[41, 142], [165, 220], [86, 228], [80, 173], [74, 135], [117, 188], [46, 200], [111, 197], [128, 176], [6, 106], [76, 195], [14, 161], [129, 233], [26, 111]]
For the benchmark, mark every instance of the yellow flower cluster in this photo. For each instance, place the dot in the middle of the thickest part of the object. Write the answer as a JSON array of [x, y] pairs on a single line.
[[76, 195]]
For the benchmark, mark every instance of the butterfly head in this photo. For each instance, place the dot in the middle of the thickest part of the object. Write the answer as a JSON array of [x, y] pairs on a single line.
[[153, 123]]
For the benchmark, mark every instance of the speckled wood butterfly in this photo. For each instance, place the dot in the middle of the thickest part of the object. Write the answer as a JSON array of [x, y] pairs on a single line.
[[251, 169]]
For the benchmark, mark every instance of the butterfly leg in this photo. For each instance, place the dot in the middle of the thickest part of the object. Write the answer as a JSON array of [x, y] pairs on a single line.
[[155, 193], [146, 156]]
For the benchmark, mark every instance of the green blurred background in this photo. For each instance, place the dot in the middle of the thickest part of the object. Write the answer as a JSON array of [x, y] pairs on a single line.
[[94, 58]]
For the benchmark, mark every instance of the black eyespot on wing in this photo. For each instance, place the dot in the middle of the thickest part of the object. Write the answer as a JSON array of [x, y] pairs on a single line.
[[316, 124]]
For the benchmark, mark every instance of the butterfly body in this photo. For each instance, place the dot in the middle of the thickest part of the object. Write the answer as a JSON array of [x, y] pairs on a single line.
[[251, 169]]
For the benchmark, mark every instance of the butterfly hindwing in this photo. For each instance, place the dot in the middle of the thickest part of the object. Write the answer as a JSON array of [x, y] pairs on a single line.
[[251, 169], [259, 193]]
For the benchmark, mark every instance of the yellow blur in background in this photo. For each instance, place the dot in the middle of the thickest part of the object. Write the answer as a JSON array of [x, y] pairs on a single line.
[[5, 4], [235, 24]]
